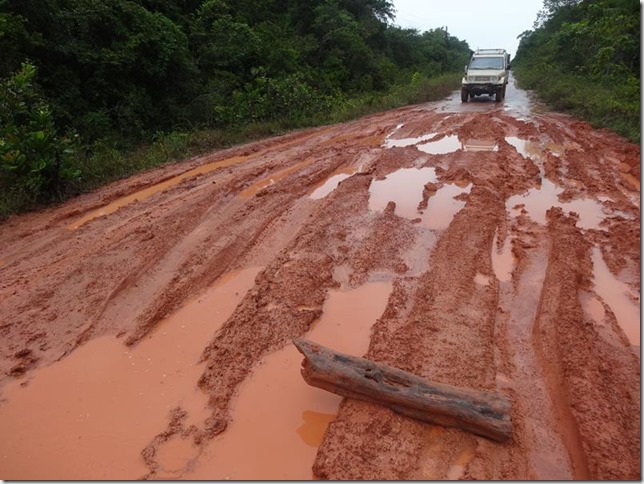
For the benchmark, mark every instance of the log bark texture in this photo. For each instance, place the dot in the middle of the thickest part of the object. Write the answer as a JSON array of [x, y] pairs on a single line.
[[483, 413]]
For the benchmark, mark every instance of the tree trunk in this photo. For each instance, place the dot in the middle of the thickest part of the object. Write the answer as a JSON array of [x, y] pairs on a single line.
[[483, 413]]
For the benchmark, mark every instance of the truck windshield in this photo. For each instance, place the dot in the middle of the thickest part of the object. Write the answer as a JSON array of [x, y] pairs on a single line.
[[487, 63]]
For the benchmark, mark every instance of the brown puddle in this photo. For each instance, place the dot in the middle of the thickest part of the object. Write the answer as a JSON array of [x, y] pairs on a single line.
[[448, 144], [148, 192], [331, 183], [89, 415], [443, 205], [404, 187], [534, 150], [279, 420], [594, 308], [274, 178], [537, 201], [502, 259], [402, 142], [618, 296]]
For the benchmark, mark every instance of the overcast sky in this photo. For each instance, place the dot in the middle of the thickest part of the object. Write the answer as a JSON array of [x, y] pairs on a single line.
[[483, 24]]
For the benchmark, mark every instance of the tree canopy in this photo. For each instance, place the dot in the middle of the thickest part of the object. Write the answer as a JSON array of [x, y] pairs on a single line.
[[130, 68], [584, 56]]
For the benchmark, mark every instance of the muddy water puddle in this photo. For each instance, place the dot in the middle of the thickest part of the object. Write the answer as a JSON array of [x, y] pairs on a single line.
[[502, 258], [405, 188], [148, 192], [537, 201], [89, 415], [274, 178], [278, 420], [622, 300], [403, 142], [450, 144], [331, 183], [534, 150], [447, 144]]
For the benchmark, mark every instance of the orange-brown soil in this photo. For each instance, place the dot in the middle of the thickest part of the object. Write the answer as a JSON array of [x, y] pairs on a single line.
[[483, 245]]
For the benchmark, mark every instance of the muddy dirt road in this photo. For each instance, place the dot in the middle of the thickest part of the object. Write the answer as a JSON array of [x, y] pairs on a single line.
[[145, 328]]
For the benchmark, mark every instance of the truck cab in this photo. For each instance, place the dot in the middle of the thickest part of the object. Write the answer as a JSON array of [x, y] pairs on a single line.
[[486, 73]]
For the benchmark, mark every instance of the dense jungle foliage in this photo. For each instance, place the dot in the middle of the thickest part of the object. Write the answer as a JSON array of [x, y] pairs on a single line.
[[93, 90], [583, 57]]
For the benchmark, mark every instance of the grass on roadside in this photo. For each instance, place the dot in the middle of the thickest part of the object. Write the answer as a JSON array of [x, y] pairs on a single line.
[[604, 105], [105, 162]]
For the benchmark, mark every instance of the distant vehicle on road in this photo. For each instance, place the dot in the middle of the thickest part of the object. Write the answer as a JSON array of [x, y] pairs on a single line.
[[487, 73]]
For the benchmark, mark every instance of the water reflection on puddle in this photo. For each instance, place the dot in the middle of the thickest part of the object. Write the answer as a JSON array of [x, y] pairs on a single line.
[[443, 206], [619, 297], [331, 183], [594, 308], [539, 200], [402, 142], [89, 415], [502, 259], [525, 148], [535, 150], [328, 186], [405, 188], [448, 144], [279, 420], [148, 192], [274, 178], [479, 145]]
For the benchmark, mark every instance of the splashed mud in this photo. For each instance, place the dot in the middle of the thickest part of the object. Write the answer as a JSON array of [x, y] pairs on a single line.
[[487, 245]]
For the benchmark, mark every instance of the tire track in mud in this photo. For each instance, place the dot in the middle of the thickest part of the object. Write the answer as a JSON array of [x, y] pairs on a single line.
[[572, 378], [585, 363], [447, 306], [146, 272], [520, 371], [341, 458]]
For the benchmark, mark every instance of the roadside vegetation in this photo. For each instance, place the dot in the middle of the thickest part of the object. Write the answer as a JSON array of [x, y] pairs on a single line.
[[96, 90], [583, 57]]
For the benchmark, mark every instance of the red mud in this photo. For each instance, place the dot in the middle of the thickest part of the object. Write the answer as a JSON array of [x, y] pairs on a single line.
[[146, 327]]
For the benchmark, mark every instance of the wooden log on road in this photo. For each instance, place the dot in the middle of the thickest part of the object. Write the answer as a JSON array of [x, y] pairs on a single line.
[[483, 413]]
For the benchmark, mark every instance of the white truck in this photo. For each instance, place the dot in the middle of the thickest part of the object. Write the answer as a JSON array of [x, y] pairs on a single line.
[[487, 73]]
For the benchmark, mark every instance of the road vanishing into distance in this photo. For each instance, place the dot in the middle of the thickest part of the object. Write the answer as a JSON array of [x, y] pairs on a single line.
[[146, 327]]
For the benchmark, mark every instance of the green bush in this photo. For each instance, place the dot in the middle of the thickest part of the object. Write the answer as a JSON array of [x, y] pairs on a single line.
[[35, 161], [584, 58]]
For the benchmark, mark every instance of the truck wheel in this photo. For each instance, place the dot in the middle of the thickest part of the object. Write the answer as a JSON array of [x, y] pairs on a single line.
[[500, 94], [464, 94]]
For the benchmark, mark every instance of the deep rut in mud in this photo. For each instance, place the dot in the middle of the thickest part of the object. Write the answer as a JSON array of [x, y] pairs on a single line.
[[146, 327]]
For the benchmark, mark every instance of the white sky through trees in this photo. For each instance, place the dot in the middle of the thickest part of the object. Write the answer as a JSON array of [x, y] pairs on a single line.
[[488, 24]]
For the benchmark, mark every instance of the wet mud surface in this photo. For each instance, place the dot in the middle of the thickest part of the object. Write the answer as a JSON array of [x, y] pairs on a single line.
[[145, 328]]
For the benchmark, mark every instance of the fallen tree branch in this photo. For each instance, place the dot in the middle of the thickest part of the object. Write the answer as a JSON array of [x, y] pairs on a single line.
[[483, 413]]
